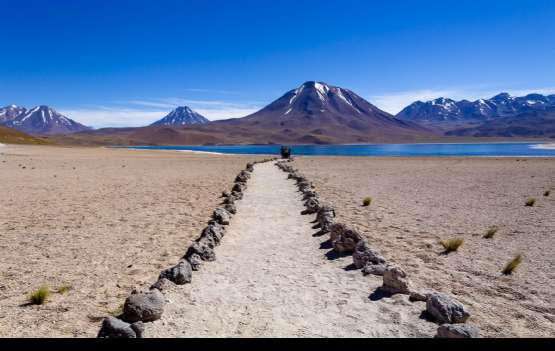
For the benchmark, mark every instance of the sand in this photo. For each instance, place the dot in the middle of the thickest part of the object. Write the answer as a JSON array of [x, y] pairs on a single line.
[[417, 202], [102, 221], [272, 278]]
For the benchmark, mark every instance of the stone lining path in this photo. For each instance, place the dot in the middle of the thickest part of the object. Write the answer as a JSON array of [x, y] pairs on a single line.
[[272, 278]]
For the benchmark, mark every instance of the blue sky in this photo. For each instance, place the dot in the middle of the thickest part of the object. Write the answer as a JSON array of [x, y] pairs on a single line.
[[119, 63]]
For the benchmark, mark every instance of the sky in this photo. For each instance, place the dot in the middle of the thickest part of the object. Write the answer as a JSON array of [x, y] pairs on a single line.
[[128, 63]]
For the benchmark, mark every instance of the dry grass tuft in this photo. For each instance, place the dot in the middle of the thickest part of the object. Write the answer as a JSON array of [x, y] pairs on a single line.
[[491, 232], [512, 265], [530, 202], [367, 201], [452, 245], [39, 296]]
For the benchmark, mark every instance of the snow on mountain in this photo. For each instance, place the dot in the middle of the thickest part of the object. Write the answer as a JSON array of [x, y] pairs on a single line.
[[8, 113], [44, 120], [181, 116]]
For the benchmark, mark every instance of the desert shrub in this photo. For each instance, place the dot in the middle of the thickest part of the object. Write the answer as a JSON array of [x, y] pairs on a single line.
[[451, 245], [547, 193], [367, 201], [491, 232], [39, 296], [512, 265], [530, 202]]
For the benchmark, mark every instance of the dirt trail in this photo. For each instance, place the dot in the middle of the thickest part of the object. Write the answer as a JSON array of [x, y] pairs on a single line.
[[272, 278]]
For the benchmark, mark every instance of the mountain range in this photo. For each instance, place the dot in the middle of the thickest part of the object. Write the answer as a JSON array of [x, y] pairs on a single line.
[[40, 120], [313, 113]]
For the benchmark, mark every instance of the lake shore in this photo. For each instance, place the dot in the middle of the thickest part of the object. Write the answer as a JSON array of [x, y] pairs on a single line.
[[98, 221], [419, 201]]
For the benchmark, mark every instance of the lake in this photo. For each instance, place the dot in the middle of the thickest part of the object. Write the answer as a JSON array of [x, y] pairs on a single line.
[[383, 150]]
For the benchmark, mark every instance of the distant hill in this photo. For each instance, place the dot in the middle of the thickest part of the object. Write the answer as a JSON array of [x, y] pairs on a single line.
[[40, 120], [529, 124], [313, 113], [181, 116], [12, 136], [445, 114]]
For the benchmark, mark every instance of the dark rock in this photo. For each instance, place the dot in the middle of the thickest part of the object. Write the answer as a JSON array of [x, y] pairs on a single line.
[[239, 188], [230, 200], [395, 281], [215, 232], [347, 241], [144, 307], [420, 296], [242, 177], [221, 216], [250, 167], [161, 284], [325, 218], [114, 328], [195, 261], [237, 195], [312, 206], [139, 328], [374, 269], [364, 254], [203, 250], [225, 194], [231, 208], [336, 230], [445, 309], [180, 274], [457, 331]]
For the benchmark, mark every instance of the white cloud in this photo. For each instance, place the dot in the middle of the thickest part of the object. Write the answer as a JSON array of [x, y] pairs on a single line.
[[394, 102], [102, 117]]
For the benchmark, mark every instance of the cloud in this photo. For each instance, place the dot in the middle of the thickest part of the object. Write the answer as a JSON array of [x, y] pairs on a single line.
[[102, 117], [396, 101]]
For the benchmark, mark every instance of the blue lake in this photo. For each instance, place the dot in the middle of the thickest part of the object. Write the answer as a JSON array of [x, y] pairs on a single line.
[[384, 150]]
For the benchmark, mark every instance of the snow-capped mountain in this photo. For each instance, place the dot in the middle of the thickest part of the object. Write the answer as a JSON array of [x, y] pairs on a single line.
[[502, 105], [317, 112], [181, 116], [10, 112], [44, 120]]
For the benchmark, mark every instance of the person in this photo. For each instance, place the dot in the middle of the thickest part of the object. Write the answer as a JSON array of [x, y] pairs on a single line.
[[285, 152]]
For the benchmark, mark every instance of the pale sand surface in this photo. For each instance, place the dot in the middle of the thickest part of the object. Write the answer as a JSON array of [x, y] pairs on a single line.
[[418, 202], [272, 279], [100, 220]]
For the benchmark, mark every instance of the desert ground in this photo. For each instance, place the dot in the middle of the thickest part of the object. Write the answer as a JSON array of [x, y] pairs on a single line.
[[98, 221], [418, 202], [102, 222]]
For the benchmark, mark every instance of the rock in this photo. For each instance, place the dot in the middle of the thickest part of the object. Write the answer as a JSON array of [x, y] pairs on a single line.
[[237, 195], [144, 307], [325, 217], [242, 177], [180, 274], [347, 241], [374, 269], [310, 195], [116, 329], [457, 331], [420, 295], [195, 261], [215, 232], [139, 329], [395, 281], [161, 284], [312, 206], [364, 254], [445, 309], [238, 188], [231, 208], [221, 216], [203, 250], [250, 167], [225, 194], [230, 200], [336, 230]]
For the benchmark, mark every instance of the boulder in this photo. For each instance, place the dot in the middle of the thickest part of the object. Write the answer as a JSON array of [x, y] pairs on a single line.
[[242, 177], [238, 188], [445, 309], [325, 218], [457, 331], [336, 230], [230, 200], [203, 250], [237, 195], [225, 194], [395, 281], [161, 284], [221, 216], [364, 254], [215, 232], [347, 241], [231, 208], [180, 274], [195, 261], [144, 307], [312, 206], [374, 269], [250, 167], [114, 328]]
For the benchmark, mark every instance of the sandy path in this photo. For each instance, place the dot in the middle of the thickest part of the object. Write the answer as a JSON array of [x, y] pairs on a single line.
[[272, 278]]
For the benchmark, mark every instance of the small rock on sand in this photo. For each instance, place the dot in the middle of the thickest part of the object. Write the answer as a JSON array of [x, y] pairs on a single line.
[[457, 331], [445, 309], [144, 307]]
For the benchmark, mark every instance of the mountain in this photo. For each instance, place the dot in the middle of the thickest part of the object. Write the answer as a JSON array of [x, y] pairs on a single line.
[[12, 136], [181, 116], [9, 113], [529, 124], [313, 113], [447, 114], [43, 120], [317, 112]]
